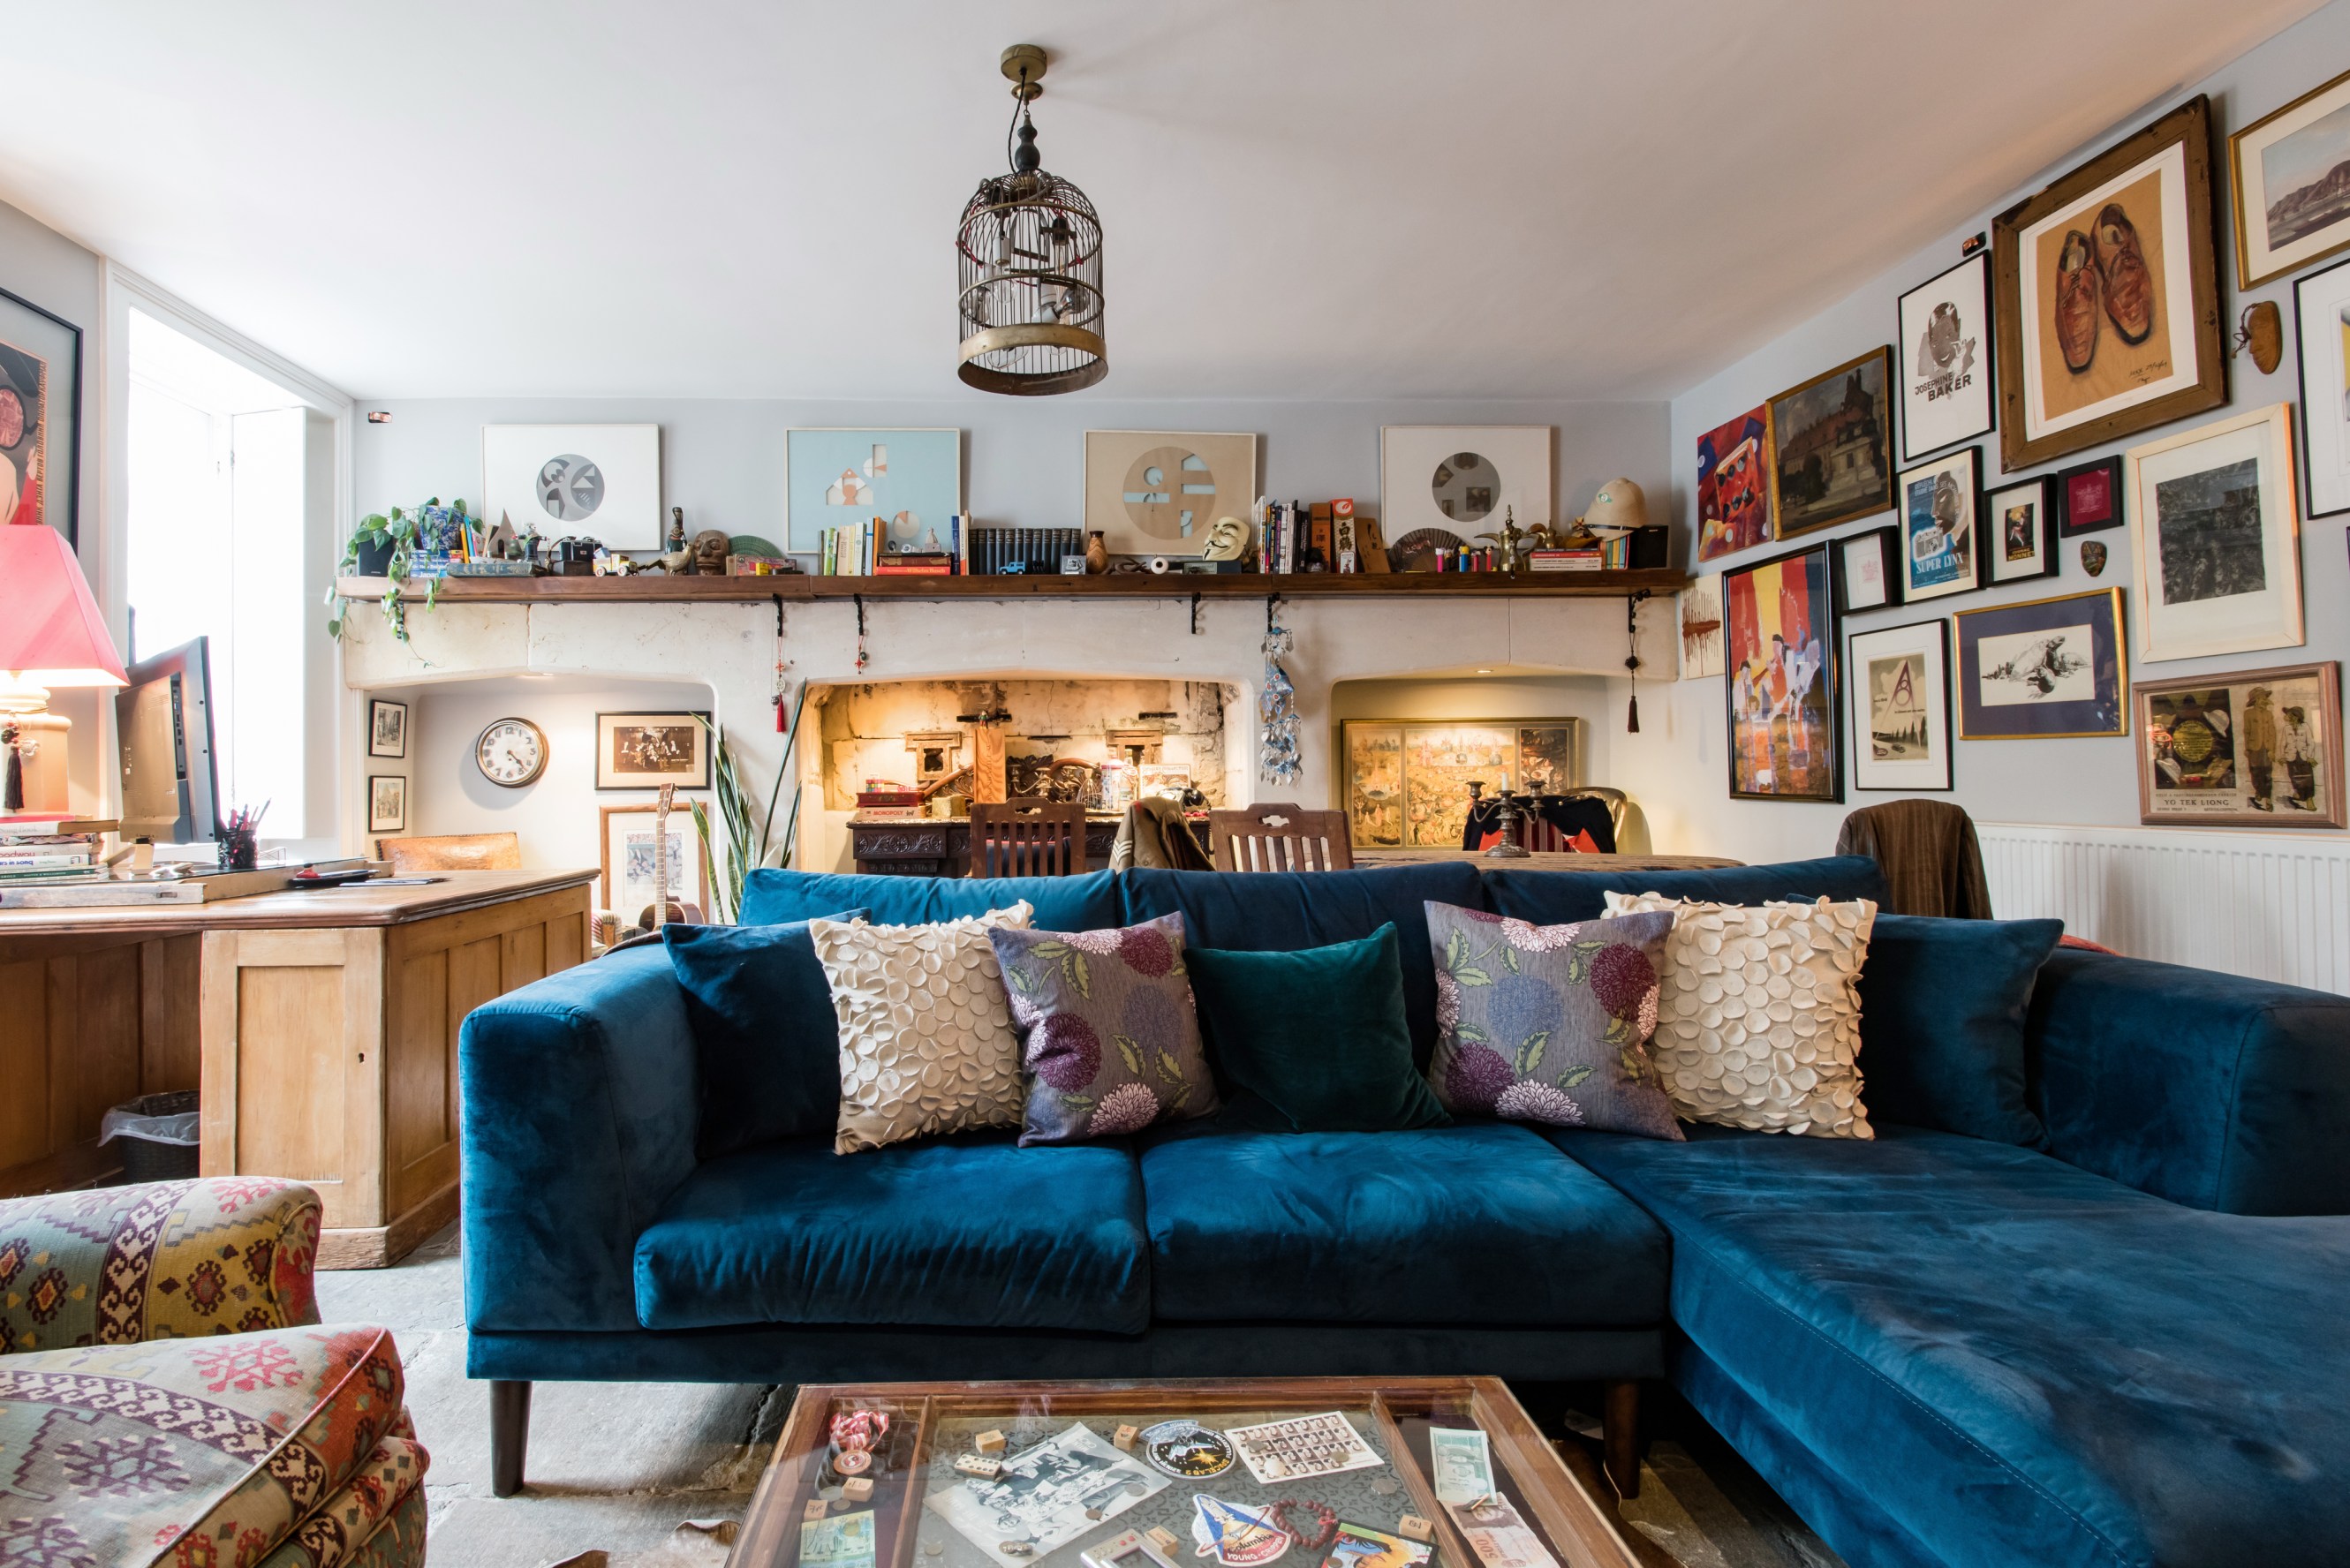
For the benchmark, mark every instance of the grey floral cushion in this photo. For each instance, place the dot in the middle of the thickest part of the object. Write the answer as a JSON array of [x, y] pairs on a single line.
[[1549, 1023], [1109, 1036]]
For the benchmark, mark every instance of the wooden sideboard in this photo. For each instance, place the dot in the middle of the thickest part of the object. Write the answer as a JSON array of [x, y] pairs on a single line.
[[321, 1028], [940, 845]]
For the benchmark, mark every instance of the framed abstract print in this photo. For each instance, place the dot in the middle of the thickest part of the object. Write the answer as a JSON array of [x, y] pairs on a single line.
[[2043, 668], [1463, 480], [592, 481], [40, 417], [1733, 485], [1868, 570], [2021, 543], [840, 477], [1779, 625], [2289, 209], [1901, 707], [2252, 748], [646, 751], [1941, 551], [1945, 340], [2089, 495], [2108, 312], [2216, 538], [1831, 446], [2321, 306], [1159, 493]]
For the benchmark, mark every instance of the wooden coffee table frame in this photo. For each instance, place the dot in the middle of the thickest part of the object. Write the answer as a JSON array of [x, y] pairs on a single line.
[[1580, 1526]]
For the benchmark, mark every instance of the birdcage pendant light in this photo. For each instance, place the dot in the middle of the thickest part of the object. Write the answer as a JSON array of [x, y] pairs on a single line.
[[1029, 262]]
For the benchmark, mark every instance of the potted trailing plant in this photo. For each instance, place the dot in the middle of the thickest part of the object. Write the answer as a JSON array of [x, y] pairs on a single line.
[[386, 546]]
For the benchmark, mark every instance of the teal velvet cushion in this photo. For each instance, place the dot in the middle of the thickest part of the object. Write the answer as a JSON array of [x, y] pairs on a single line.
[[1316, 1038], [1560, 897], [1943, 1008], [762, 1028], [1088, 903]]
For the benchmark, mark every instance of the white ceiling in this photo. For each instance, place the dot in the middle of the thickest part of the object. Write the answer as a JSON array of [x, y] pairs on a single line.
[[1302, 198]]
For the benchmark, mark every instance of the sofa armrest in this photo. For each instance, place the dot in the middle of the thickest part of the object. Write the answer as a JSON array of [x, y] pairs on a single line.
[[577, 1124], [118, 1265]]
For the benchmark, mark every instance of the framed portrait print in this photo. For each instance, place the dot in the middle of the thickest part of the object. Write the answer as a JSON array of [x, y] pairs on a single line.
[[2089, 497], [1941, 547], [2252, 748], [387, 802], [1733, 485], [40, 417], [2216, 539], [1946, 359], [1463, 480], [596, 482], [628, 868], [2043, 669], [1868, 570], [1901, 707], [2021, 540], [386, 728], [646, 751], [1779, 618], [1157, 492], [2321, 307], [1831, 446], [2289, 209], [2108, 313]]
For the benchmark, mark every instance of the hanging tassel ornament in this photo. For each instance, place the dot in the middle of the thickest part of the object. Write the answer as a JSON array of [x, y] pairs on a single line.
[[782, 685], [1632, 658], [1277, 763]]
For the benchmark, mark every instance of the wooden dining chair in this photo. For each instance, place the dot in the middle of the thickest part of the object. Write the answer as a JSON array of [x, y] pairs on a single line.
[[1275, 835], [1028, 838]]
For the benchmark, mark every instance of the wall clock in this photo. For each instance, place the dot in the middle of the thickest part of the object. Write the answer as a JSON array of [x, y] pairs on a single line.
[[510, 752]]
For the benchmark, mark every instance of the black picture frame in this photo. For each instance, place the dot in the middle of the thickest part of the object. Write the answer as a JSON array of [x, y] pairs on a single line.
[[2112, 515], [2328, 496], [379, 707], [1887, 541], [1999, 567], [1928, 638], [1965, 465], [1975, 376], [23, 325], [1762, 735]]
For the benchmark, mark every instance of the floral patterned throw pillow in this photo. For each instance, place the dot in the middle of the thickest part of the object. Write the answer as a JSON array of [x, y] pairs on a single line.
[[1110, 1036], [1549, 1023]]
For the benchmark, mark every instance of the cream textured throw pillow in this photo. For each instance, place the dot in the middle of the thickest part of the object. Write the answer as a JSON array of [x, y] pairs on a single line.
[[925, 1040], [1758, 1020]]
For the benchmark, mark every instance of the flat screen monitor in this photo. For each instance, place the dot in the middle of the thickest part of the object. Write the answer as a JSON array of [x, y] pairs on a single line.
[[164, 719]]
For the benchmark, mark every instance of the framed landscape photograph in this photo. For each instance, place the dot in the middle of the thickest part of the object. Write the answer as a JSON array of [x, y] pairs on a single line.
[[386, 728], [2043, 668], [841, 478], [1831, 446], [1901, 707], [387, 802], [1157, 492], [2292, 207], [40, 417], [589, 481], [2321, 307], [2108, 312], [1868, 569], [2252, 748], [1945, 338], [1733, 485], [1784, 705], [1461, 478], [2089, 495], [1941, 547], [2215, 537], [2022, 541], [628, 866], [646, 751]]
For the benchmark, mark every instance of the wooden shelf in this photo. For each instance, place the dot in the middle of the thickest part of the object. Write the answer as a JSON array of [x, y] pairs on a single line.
[[802, 588]]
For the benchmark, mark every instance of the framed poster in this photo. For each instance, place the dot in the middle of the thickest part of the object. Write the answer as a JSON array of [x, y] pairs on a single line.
[[1701, 628], [629, 868], [2043, 669], [840, 477], [1945, 337], [1733, 485], [2022, 541], [386, 728], [1462, 479], [1901, 707], [2216, 538], [2321, 311], [2252, 748], [40, 417], [2089, 495], [1868, 569], [646, 751], [387, 802], [2292, 207], [1940, 546], [1406, 782], [588, 482], [1159, 493], [1831, 446], [2109, 314], [1784, 706]]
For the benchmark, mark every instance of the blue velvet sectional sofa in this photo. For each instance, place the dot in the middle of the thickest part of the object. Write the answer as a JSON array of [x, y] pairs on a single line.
[[2120, 1343]]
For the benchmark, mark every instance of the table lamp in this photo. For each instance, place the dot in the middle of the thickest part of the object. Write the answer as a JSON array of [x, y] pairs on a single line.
[[51, 635]]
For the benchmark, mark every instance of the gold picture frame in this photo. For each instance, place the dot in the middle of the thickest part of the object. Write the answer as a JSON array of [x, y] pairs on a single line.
[[1404, 782], [1818, 443], [2301, 130], [2210, 748]]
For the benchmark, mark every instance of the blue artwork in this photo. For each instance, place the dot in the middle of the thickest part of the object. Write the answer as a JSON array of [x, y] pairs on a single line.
[[1940, 529], [837, 479]]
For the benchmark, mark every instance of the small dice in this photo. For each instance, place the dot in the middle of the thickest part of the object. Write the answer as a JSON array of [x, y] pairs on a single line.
[[1124, 1437], [1411, 1527], [989, 1442]]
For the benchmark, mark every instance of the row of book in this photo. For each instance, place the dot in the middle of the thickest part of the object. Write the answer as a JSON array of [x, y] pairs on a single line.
[[52, 851]]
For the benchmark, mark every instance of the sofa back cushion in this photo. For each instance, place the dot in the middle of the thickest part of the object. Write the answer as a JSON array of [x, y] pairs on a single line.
[[1287, 911], [1088, 903], [2205, 1088], [1563, 897], [764, 1030], [1943, 1010]]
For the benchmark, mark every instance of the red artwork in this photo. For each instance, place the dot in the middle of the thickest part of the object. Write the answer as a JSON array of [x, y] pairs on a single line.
[[1733, 485], [1781, 679]]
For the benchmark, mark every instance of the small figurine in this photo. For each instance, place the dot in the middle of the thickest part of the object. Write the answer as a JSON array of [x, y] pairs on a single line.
[[676, 557], [1507, 541], [710, 548]]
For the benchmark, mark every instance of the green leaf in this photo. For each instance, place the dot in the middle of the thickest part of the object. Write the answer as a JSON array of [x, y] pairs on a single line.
[[1573, 1076], [1048, 950], [1455, 949], [1129, 1053], [1169, 1068], [1077, 1102], [1510, 958], [1020, 979], [1472, 977], [1181, 1094], [1530, 1052], [1470, 1033], [1079, 975]]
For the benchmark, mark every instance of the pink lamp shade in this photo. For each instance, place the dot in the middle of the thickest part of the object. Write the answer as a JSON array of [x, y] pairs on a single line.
[[51, 631]]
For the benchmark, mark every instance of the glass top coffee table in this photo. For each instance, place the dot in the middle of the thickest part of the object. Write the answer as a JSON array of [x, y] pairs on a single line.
[[1415, 1472]]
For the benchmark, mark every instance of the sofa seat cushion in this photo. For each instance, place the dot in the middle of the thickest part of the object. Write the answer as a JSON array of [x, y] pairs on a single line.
[[969, 1232], [1480, 1224], [2015, 1360]]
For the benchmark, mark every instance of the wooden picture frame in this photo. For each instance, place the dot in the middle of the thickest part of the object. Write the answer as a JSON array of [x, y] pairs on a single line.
[[2089, 497], [2302, 137], [1868, 571], [1831, 462], [648, 750], [2019, 533], [2043, 669], [2138, 356], [386, 728], [1941, 526], [1404, 782], [1899, 680], [1946, 349], [1784, 706], [1203, 476], [2205, 585], [2213, 750], [387, 802], [617, 827]]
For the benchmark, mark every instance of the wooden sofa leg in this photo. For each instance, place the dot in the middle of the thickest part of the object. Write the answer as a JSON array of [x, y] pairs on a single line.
[[510, 1435], [1621, 1430]]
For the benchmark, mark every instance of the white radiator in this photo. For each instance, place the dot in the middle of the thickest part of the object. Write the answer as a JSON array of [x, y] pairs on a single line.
[[2264, 905]]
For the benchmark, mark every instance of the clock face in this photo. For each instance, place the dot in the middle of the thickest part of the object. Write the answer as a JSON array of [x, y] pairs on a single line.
[[510, 752]]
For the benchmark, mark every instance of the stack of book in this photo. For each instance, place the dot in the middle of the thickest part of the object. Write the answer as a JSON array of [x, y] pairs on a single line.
[[52, 851], [1590, 559], [862, 550], [882, 797]]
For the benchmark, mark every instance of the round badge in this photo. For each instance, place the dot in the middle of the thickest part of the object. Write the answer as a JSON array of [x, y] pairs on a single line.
[[852, 1461], [1187, 1449]]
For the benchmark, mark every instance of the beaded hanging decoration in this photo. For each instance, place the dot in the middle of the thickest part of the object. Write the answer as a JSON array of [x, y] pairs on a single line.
[[1277, 763]]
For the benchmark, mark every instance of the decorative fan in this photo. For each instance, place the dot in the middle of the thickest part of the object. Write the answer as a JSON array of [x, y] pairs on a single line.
[[1417, 551]]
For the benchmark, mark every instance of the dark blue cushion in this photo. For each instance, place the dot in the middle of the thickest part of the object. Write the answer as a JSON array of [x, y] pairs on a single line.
[[764, 1029], [1943, 1010], [1285, 912], [2016, 1361], [976, 1233], [1088, 903], [1562, 898], [1472, 1224]]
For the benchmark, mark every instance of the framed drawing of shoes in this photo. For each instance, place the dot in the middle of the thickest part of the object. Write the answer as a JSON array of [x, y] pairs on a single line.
[[2108, 312]]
